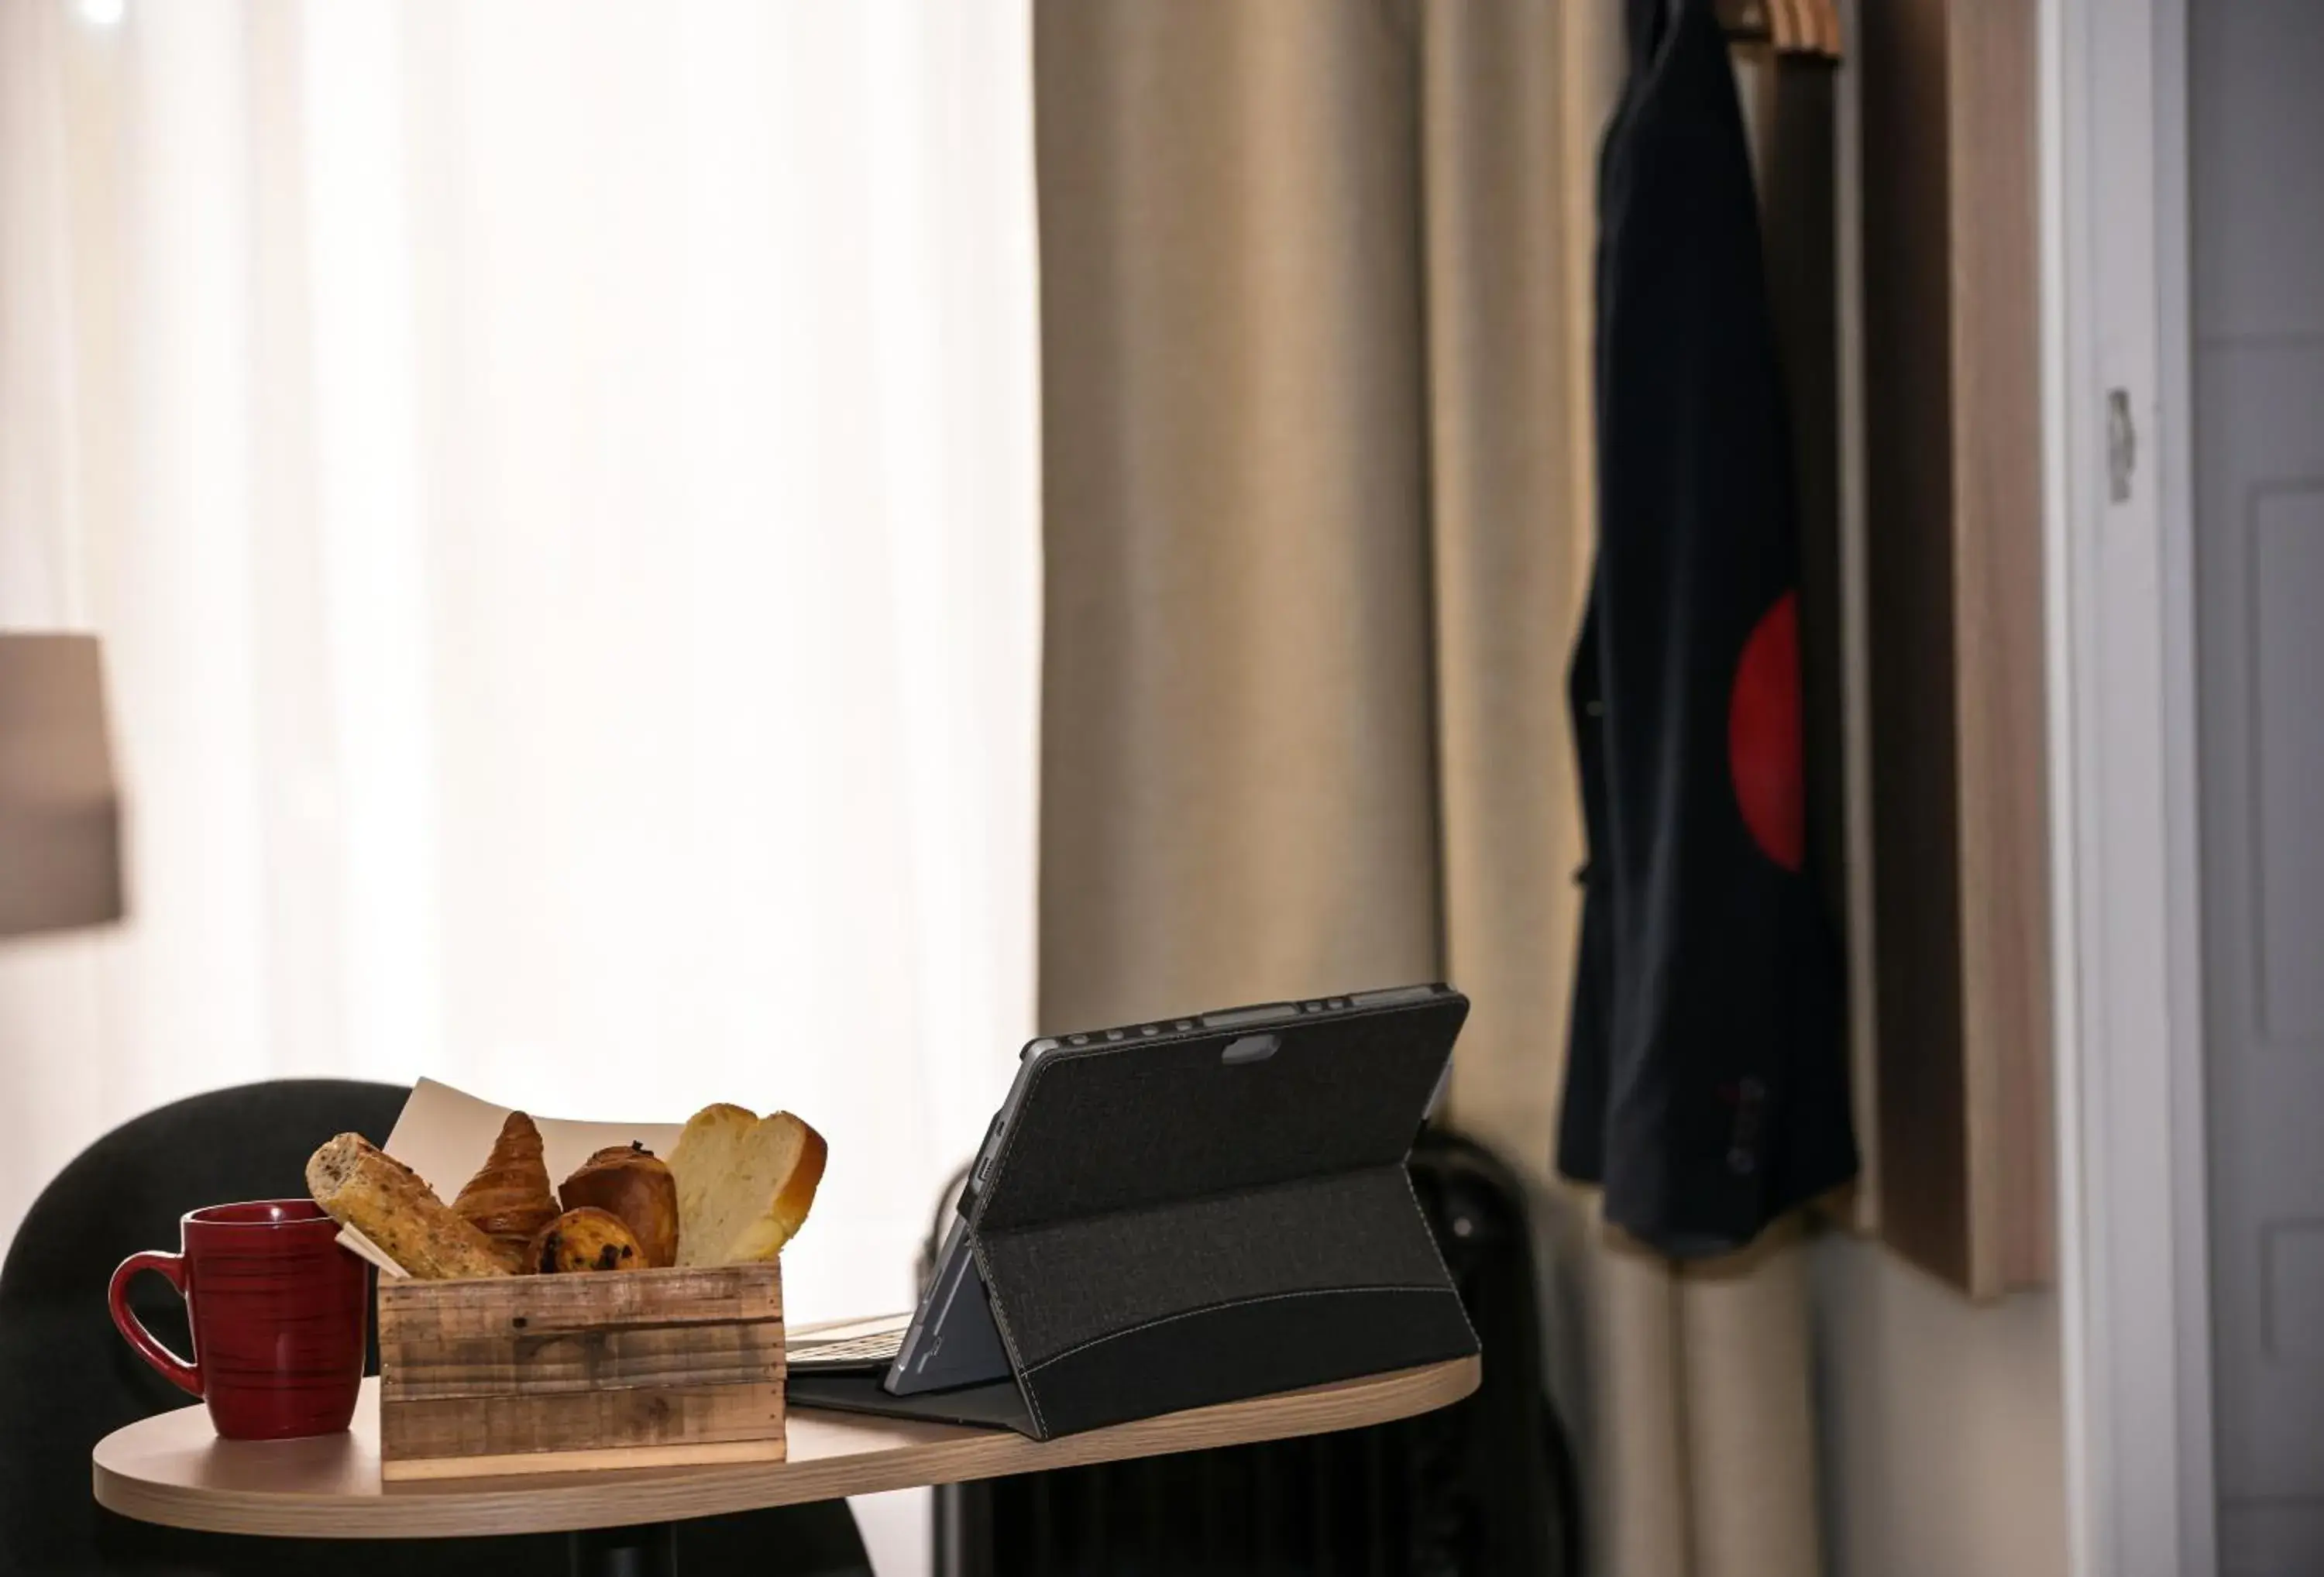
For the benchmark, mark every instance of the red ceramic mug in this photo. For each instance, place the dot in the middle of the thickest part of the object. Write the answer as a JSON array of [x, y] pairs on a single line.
[[277, 1311]]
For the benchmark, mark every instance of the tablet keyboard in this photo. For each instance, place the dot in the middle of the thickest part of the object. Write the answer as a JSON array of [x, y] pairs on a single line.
[[857, 1349], [855, 1345]]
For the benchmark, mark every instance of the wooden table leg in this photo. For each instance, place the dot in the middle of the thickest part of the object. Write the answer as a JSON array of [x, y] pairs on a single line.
[[647, 1550]]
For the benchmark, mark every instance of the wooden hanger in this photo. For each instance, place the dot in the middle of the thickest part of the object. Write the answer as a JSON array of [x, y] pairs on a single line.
[[1790, 27], [1824, 22]]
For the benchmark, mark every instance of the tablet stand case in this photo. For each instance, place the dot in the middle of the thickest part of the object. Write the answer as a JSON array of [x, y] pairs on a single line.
[[1178, 1219]]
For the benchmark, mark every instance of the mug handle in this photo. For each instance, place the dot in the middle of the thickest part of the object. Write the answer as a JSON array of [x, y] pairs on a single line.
[[187, 1376]]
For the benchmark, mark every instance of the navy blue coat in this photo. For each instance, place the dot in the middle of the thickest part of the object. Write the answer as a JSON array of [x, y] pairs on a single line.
[[1706, 1083]]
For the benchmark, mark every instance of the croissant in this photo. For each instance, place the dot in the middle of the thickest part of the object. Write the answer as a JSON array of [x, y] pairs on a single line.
[[508, 1199], [634, 1184]]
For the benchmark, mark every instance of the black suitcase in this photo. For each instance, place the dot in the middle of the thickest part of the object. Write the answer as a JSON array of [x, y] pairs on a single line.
[[1483, 1486]]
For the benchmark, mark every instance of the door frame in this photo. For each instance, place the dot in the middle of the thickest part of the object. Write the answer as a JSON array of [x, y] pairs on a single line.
[[2133, 1269]]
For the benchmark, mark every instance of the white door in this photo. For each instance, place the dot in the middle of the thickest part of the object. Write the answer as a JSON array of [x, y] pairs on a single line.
[[2257, 97]]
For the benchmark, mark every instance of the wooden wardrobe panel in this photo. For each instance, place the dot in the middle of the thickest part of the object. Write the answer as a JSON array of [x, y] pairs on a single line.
[[1953, 588], [1997, 622], [1793, 106], [1922, 1131]]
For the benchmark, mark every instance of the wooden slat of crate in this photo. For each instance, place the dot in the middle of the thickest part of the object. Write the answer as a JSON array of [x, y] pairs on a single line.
[[465, 1428], [695, 1295], [550, 1373], [611, 1459], [581, 1360]]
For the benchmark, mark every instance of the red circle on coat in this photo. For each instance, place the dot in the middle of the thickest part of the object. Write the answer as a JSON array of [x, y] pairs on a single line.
[[1763, 736]]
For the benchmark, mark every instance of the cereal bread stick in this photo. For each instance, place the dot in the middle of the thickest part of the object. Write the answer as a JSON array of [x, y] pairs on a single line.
[[362, 1186]]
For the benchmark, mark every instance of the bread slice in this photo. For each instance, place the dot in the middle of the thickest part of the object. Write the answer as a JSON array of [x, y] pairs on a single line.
[[744, 1183], [362, 1186]]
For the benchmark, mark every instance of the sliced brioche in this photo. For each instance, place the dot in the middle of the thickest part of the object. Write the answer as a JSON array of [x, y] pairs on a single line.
[[744, 1183], [362, 1186]]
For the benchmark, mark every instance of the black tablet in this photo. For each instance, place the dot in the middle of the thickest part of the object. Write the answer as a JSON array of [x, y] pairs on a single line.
[[1189, 1210]]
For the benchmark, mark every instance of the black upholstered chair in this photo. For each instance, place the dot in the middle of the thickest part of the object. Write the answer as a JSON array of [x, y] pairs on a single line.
[[67, 1379]]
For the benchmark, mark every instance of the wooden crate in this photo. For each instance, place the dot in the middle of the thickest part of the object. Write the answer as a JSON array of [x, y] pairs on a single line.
[[544, 1374]]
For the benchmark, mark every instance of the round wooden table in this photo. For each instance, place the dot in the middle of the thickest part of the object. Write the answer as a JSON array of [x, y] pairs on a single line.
[[170, 1469]]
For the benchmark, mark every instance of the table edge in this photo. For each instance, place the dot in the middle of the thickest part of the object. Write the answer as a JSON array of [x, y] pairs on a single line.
[[443, 1509]]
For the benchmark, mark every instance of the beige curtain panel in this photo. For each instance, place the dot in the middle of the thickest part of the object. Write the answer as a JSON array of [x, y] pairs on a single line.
[[1315, 331]]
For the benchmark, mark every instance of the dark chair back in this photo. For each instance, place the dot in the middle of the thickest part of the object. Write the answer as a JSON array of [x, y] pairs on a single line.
[[67, 1379]]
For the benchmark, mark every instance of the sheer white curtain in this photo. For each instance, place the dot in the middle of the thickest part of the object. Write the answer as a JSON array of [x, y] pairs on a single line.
[[557, 484]]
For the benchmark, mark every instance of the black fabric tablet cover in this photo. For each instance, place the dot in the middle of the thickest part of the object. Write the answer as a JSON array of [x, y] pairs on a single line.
[[1165, 1228]]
